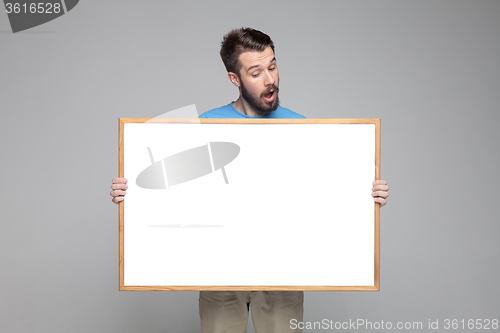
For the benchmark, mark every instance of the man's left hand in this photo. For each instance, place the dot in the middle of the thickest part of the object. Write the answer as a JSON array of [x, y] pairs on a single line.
[[380, 192]]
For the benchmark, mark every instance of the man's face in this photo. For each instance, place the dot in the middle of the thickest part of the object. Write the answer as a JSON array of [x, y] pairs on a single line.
[[259, 80]]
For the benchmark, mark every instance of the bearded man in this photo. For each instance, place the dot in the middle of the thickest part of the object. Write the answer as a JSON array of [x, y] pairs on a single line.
[[249, 58]]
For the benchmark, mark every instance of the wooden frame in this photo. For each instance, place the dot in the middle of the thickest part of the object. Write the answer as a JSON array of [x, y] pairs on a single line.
[[376, 228]]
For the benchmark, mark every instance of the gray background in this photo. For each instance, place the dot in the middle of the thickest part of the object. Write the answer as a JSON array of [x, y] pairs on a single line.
[[429, 69]]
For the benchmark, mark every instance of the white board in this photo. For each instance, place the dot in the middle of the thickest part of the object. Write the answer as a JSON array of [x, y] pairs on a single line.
[[297, 209]]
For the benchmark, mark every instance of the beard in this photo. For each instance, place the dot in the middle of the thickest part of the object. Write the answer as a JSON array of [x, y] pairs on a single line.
[[261, 108]]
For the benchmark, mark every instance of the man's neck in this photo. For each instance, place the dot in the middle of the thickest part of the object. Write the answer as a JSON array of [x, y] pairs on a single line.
[[242, 106]]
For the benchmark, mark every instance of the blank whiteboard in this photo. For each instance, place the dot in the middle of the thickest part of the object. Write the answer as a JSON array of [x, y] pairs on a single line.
[[252, 204]]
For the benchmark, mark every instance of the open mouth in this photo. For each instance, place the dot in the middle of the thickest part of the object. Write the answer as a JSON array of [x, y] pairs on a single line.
[[269, 97]]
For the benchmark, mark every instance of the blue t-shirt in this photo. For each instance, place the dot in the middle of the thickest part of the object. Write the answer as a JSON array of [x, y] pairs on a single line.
[[229, 111]]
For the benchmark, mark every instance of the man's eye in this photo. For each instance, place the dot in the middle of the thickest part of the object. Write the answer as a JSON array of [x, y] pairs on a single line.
[[272, 68], [255, 74]]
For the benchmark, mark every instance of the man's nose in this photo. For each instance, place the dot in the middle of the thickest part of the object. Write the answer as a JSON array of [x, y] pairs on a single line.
[[269, 79]]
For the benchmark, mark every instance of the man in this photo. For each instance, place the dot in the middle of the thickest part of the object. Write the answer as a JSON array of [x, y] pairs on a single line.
[[249, 58], [251, 66]]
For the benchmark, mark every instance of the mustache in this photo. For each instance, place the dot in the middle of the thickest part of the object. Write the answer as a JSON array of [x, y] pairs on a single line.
[[268, 90]]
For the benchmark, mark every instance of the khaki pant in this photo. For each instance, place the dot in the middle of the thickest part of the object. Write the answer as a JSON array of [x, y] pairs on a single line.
[[227, 311]]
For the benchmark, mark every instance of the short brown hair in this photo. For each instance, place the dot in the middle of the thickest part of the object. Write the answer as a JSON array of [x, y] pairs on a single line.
[[242, 40]]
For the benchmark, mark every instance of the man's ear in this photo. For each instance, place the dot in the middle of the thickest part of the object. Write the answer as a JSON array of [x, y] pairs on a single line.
[[234, 79]]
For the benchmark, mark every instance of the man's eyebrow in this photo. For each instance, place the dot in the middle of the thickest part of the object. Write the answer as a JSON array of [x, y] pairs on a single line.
[[254, 66]]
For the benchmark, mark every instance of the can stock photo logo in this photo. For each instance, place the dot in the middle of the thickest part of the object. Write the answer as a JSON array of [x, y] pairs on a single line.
[[24, 15]]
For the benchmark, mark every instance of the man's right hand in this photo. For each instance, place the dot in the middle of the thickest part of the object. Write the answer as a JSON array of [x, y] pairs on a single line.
[[119, 186]]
